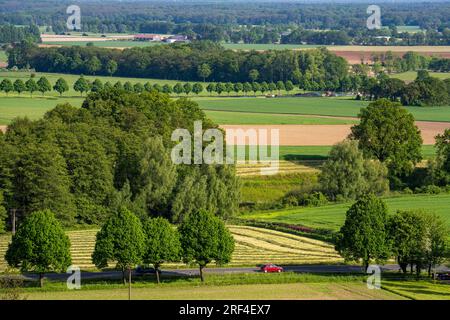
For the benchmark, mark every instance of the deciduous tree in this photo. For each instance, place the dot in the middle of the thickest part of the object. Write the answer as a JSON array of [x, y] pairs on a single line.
[[40, 245]]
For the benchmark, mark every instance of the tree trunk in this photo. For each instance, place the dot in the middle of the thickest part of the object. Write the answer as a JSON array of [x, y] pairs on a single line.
[[41, 280], [404, 267], [124, 278], [129, 283], [429, 270], [366, 266], [157, 271], [201, 273]]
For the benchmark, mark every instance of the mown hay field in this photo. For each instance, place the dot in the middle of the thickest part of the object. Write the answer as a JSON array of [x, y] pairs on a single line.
[[254, 246]]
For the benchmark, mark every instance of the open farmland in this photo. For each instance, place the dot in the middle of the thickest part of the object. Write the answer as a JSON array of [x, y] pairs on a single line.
[[332, 216], [33, 108], [348, 290], [412, 75], [337, 107], [324, 135], [228, 117], [254, 246]]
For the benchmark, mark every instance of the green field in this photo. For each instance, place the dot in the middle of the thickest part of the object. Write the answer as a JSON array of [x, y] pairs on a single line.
[[321, 152], [419, 290], [227, 117], [409, 29], [332, 216], [412, 75], [342, 107], [356, 290], [33, 108]]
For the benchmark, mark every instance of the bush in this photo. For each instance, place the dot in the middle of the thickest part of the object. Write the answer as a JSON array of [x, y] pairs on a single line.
[[407, 191], [301, 198], [430, 189]]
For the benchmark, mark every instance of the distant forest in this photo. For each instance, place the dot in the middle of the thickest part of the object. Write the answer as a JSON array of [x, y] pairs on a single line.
[[166, 16]]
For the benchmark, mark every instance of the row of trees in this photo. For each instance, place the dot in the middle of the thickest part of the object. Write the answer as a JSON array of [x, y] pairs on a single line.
[[201, 239], [83, 85], [425, 90], [414, 238], [83, 163], [41, 245], [197, 61]]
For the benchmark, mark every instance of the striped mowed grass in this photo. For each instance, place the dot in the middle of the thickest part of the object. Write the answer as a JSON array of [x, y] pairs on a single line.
[[254, 246]]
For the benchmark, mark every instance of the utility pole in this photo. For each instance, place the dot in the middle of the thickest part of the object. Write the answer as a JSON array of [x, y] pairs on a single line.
[[13, 221], [129, 283]]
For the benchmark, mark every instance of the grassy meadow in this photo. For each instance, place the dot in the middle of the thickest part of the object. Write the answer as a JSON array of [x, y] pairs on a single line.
[[332, 216], [412, 75], [337, 107], [350, 290]]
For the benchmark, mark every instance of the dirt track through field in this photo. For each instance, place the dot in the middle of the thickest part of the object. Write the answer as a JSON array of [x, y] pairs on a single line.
[[326, 135]]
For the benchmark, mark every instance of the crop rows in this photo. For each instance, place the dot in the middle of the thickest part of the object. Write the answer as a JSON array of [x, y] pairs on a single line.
[[253, 246], [282, 167]]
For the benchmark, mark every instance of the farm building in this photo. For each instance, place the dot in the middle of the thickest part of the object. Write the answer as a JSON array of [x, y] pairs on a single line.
[[176, 38], [147, 37]]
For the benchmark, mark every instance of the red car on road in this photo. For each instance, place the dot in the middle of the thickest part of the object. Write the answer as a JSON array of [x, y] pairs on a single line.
[[271, 268]]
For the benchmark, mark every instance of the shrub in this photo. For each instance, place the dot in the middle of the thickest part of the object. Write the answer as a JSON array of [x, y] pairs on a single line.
[[301, 198], [430, 189]]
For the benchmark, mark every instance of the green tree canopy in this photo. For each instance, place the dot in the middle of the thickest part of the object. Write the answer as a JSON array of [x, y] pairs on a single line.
[[61, 86], [388, 133], [347, 175], [440, 167], [204, 238], [6, 86], [31, 86], [97, 85], [111, 67], [197, 88], [19, 86], [3, 215], [121, 240], [204, 71], [44, 85], [364, 236], [162, 243], [40, 245], [81, 85]]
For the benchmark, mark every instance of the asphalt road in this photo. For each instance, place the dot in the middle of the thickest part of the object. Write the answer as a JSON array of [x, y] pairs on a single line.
[[193, 272]]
